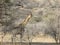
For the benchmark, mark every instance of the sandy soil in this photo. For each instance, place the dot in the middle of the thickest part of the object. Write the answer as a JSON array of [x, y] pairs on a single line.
[[47, 39]]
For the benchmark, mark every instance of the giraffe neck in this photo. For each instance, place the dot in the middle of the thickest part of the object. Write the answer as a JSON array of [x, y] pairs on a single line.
[[26, 20]]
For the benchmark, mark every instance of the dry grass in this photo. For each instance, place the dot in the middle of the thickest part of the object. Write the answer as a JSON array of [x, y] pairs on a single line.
[[38, 38]]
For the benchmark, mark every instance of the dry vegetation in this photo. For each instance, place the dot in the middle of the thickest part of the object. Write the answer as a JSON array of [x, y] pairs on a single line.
[[45, 19]]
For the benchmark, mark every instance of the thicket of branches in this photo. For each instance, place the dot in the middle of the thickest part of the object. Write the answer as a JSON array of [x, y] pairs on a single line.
[[51, 19]]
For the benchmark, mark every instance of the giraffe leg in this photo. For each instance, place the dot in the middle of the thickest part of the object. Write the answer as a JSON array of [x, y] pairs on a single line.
[[13, 39], [20, 39]]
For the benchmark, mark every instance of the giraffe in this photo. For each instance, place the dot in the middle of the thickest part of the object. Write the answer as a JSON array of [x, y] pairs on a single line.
[[18, 29], [21, 27]]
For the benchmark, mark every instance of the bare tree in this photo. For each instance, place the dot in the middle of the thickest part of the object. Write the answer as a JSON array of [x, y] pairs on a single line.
[[54, 29]]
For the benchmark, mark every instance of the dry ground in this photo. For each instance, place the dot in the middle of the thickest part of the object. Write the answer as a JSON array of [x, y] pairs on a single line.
[[38, 38]]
